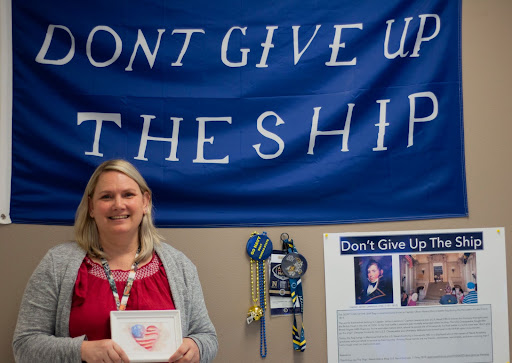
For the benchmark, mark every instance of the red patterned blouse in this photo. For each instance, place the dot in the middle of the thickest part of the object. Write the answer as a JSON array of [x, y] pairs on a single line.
[[93, 299]]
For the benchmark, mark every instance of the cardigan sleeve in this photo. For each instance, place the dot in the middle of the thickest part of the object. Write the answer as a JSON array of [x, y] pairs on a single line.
[[188, 298], [35, 337], [201, 329]]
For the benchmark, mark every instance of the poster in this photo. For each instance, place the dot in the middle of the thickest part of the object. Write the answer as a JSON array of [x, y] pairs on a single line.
[[417, 296]]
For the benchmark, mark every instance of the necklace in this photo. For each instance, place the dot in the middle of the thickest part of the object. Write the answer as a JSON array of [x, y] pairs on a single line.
[[121, 305], [253, 292], [255, 311], [259, 248]]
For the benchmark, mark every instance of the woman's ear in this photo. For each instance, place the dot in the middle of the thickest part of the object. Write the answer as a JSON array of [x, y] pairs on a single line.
[[146, 198], [90, 207]]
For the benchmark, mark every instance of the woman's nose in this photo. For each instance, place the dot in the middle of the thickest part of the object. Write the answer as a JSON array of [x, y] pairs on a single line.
[[118, 201]]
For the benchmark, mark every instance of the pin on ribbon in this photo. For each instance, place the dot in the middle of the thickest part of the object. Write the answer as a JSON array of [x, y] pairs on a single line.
[[294, 265], [259, 246]]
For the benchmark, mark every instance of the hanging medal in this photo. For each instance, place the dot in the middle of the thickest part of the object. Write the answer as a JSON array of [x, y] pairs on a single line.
[[259, 248], [294, 266]]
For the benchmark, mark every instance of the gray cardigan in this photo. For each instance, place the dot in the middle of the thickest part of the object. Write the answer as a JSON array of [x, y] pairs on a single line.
[[42, 331]]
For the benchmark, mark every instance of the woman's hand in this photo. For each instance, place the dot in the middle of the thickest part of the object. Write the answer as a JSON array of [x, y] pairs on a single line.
[[188, 352], [103, 351]]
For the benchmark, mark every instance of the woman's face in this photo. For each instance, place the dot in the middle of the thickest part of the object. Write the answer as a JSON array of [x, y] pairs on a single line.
[[374, 273], [117, 205]]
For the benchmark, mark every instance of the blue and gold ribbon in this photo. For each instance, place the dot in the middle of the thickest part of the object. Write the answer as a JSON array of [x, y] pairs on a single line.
[[298, 338]]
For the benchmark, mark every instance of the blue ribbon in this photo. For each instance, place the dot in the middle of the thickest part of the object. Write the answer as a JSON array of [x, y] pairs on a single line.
[[298, 339]]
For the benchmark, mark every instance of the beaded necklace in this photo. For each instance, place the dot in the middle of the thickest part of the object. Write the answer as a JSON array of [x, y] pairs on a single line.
[[259, 248]]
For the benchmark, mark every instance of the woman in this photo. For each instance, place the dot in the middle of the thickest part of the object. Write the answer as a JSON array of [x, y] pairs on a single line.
[[64, 314], [413, 300]]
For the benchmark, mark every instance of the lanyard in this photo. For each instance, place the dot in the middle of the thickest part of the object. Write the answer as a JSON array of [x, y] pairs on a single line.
[[298, 338], [121, 305]]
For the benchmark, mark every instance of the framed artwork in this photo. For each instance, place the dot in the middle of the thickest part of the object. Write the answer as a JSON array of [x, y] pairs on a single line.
[[147, 335]]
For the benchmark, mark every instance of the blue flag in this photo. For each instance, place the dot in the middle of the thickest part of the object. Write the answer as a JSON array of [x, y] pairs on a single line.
[[242, 113]]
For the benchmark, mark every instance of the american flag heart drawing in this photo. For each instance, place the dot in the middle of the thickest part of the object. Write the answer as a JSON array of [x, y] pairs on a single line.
[[145, 336]]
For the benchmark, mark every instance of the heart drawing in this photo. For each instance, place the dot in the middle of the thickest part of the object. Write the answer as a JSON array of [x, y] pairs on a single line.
[[145, 336]]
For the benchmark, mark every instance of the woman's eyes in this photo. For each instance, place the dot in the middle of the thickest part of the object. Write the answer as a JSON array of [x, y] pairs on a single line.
[[124, 195]]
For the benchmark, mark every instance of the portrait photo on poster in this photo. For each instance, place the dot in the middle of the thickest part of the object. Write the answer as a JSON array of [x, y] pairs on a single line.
[[373, 279]]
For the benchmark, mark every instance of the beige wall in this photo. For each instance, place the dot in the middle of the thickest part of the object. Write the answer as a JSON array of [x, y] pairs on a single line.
[[220, 253]]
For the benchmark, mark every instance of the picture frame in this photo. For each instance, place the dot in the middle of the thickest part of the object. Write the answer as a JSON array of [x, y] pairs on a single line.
[[147, 335]]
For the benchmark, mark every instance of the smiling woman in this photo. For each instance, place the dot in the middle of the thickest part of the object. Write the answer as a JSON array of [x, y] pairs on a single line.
[[118, 206], [115, 214], [117, 263]]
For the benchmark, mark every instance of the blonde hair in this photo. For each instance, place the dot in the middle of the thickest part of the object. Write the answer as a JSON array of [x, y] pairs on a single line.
[[86, 231]]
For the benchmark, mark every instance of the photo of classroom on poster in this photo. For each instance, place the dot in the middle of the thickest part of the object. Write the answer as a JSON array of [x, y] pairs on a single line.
[[432, 279]]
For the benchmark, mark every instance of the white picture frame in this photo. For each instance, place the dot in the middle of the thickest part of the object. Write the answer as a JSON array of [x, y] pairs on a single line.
[[147, 335]]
